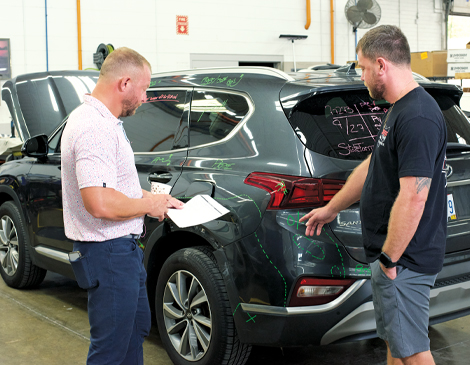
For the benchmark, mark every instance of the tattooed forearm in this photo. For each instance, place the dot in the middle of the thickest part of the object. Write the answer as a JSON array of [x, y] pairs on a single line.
[[421, 183]]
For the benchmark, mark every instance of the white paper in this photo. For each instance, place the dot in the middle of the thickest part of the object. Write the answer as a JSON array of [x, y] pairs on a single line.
[[200, 209]]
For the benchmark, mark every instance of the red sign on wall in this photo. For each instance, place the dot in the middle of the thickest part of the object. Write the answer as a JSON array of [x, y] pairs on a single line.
[[182, 24]]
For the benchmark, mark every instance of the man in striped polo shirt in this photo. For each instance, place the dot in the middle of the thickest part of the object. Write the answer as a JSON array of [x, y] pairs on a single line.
[[104, 208]]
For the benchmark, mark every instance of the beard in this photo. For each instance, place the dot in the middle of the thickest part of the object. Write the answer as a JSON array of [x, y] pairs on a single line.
[[376, 89], [129, 107]]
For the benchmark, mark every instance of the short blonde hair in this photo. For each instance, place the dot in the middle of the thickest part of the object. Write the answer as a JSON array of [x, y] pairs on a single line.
[[122, 60], [387, 41]]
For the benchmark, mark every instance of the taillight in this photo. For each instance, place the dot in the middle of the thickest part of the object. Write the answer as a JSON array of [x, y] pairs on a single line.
[[294, 191], [312, 291]]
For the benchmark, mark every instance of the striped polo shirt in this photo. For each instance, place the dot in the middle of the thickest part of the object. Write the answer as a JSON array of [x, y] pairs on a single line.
[[96, 152]]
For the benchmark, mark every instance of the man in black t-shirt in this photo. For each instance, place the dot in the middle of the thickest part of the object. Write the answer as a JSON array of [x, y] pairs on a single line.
[[402, 189], [411, 144]]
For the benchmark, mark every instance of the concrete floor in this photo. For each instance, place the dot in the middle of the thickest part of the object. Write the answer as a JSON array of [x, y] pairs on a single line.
[[49, 326]]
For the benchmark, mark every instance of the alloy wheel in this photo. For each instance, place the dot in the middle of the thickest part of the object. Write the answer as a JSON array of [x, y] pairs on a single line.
[[8, 246], [187, 315]]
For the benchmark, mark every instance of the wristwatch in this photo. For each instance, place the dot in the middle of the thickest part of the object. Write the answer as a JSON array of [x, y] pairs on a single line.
[[386, 260]]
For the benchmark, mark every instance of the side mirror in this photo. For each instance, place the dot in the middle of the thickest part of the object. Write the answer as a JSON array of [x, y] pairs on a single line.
[[35, 146]]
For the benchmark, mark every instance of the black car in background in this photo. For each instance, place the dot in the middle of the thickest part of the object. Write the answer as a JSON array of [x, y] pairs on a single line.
[[269, 147]]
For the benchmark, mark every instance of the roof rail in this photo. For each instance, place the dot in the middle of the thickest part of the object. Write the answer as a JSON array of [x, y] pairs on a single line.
[[238, 69]]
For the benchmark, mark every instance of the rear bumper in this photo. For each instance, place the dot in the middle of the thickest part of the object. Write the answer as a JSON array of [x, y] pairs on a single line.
[[446, 303], [297, 326], [294, 326]]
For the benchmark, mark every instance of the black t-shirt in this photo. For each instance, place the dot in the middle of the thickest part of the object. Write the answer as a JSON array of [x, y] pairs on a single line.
[[412, 142]]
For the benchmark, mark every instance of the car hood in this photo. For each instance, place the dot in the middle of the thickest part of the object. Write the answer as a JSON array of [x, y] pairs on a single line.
[[39, 102]]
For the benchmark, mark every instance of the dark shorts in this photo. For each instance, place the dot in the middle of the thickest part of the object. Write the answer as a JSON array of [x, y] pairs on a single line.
[[402, 309]]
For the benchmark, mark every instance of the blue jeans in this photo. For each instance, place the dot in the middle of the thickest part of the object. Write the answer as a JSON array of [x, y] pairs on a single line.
[[118, 307]]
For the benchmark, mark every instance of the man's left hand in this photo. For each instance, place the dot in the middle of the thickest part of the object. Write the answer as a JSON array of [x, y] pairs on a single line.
[[391, 273]]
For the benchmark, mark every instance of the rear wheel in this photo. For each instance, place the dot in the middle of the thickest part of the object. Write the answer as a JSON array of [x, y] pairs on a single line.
[[16, 267], [193, 312]]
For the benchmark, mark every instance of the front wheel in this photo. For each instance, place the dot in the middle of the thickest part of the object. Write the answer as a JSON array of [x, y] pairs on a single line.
[[193, 311], [16, 266]]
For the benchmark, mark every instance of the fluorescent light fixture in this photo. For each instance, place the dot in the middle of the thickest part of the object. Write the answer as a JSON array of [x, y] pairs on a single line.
[[293, 37]]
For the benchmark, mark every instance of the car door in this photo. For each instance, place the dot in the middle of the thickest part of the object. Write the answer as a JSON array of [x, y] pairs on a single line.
[[158, 133], [219, 150], [44, 191]]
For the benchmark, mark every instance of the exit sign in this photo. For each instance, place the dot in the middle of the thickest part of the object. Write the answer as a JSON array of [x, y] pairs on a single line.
[[182, 24]]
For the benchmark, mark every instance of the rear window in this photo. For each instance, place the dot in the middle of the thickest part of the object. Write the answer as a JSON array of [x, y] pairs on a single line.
[[214, 114], [341, 125], [344, 125]]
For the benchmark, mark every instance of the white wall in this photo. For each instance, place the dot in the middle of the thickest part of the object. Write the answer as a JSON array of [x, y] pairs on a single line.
[[250, 27]]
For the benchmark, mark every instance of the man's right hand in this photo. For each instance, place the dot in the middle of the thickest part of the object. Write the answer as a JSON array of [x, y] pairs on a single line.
[[316, 219], [163, 202], [349, 194], [158, 205]]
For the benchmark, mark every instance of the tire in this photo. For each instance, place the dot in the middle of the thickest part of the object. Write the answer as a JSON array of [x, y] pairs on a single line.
[[200, 314], [15, 262]]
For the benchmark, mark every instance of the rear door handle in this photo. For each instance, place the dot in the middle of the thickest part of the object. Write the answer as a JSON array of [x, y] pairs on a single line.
[[161, 178]]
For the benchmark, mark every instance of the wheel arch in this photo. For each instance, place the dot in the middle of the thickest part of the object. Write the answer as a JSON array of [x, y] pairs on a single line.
[[161, 244], [5, 197], [7, 193], [26, 274], [10, 193]]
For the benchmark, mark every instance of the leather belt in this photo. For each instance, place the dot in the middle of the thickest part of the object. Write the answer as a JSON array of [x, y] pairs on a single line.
[[133, 236]]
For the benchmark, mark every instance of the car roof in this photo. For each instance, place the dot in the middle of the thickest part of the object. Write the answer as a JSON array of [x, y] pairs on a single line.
[[331, 74], [249, 70], [328, 77]]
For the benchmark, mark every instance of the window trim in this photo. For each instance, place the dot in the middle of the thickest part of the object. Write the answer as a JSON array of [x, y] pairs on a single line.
[[59, 129], [251, 110]]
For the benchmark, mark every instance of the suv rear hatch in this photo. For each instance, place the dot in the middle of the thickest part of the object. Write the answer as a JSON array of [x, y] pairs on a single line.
[[338, 127], [457, 172], [39, 102]]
